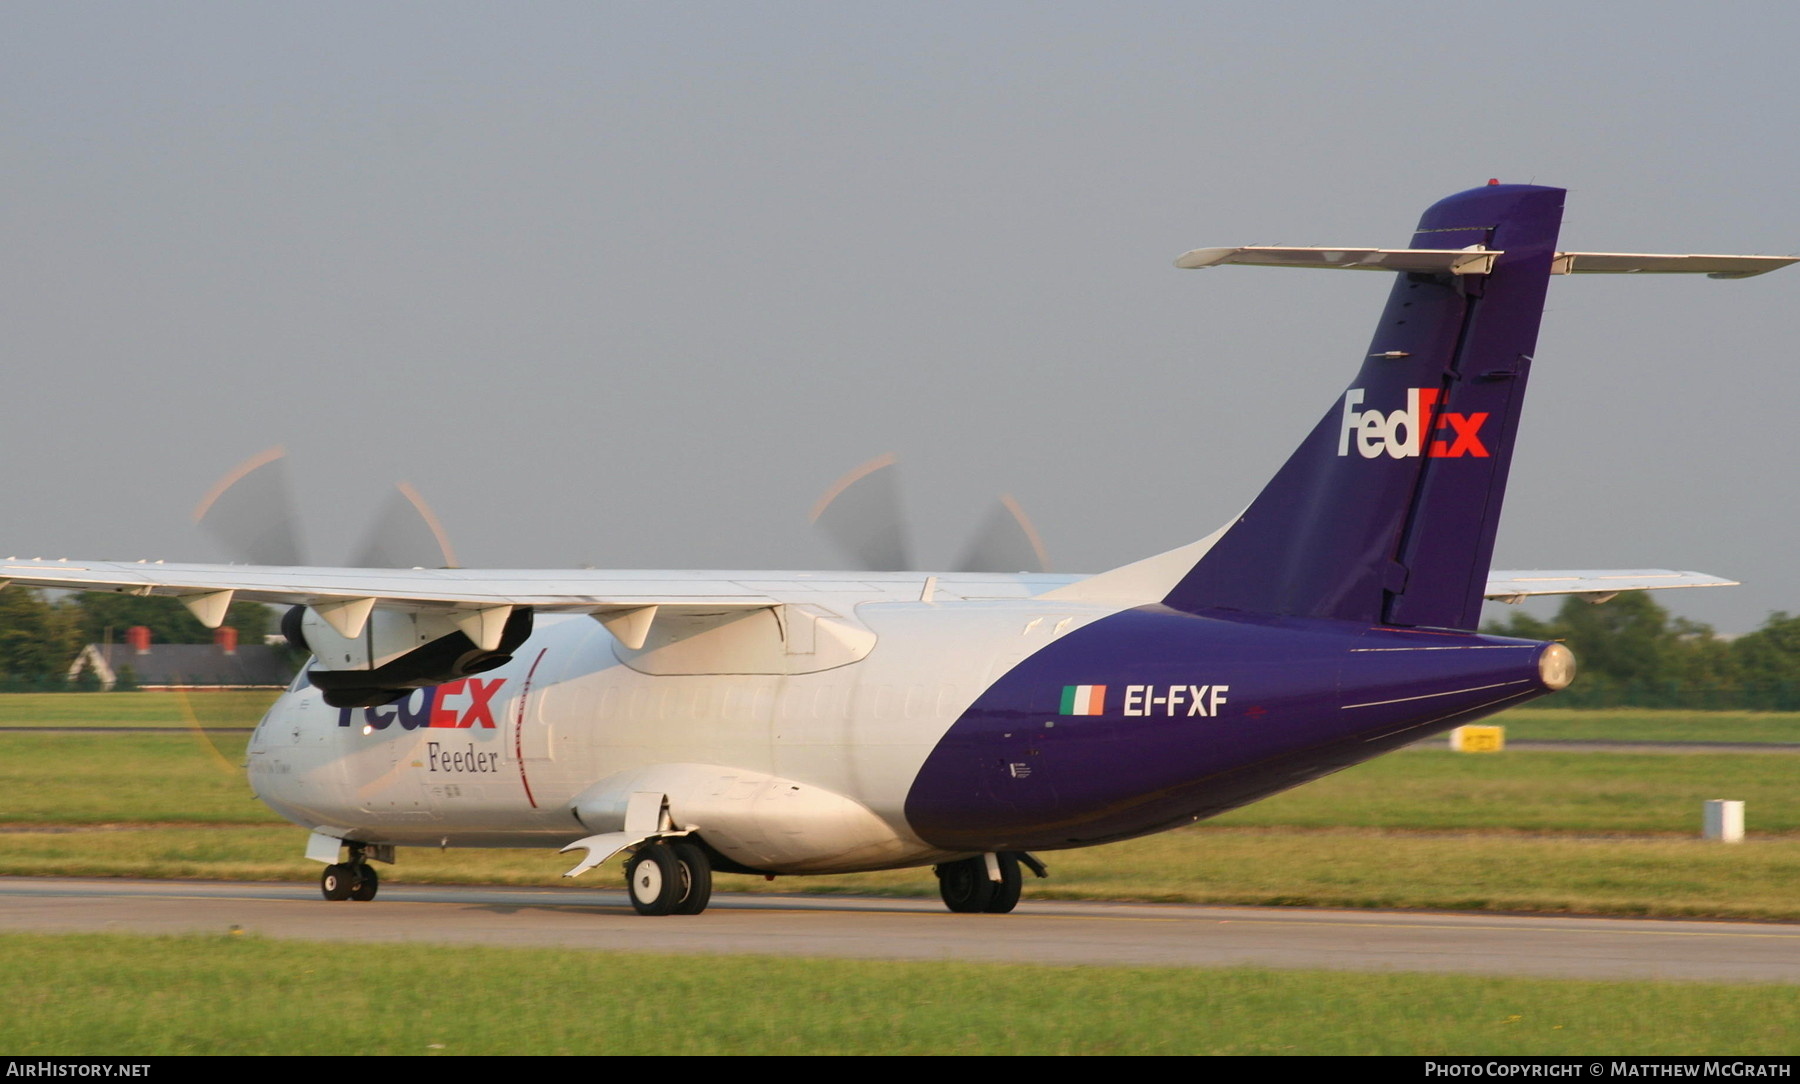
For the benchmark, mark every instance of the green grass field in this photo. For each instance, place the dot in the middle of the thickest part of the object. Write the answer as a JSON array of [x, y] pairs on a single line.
[[174, 710], [1520, 791], [1646, 724], [174, 778], [184, 777], [245, 995], [1515, 831]]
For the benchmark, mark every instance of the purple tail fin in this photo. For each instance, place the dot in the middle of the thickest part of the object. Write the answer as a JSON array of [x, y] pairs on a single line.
[[1387, 512]]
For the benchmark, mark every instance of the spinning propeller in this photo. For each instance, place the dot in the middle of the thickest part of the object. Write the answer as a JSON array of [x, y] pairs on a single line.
[[252, 514], [861, 513]]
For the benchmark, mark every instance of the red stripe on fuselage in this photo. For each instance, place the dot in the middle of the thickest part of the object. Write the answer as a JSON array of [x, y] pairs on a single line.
[[519, 726]]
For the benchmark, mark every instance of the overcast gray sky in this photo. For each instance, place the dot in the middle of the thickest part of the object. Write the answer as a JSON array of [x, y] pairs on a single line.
[[630, 284]]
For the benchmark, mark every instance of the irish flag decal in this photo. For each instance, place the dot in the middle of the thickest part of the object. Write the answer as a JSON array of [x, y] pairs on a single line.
[[1084, 700]]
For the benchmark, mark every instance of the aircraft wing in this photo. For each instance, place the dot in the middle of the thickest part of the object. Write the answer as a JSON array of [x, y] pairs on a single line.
[[478, 600], [1602, 583], [549, 589]]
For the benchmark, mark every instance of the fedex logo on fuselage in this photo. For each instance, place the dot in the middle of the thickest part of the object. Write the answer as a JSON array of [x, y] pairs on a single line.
[[1417, 429], [452, 705]]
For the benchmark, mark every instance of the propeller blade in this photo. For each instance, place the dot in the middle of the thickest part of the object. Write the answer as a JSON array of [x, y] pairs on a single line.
[[1006, 542], [407, 534], [861, 514], [250, 512]]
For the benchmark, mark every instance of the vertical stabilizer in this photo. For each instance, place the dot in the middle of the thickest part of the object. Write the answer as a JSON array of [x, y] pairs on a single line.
[[1387, 512]]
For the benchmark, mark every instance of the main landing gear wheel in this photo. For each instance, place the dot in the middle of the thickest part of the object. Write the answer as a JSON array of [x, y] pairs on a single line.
[[669, 879], [696, 878], [654, 877], [336, 882], [964, 885], [363, 882], [967, 889]]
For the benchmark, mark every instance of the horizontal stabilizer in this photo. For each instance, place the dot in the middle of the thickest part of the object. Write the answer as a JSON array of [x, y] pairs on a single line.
[[1607, 582], [1479, 261], [1650, 263], [1432, 261]]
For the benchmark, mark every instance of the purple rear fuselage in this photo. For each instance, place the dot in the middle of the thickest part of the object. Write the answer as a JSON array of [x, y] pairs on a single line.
[[1200, 713]]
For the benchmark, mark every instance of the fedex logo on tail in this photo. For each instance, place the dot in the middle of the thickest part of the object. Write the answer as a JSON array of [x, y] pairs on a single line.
[[1417, 429]]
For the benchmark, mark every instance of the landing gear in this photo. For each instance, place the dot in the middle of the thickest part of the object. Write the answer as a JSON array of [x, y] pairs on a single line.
[[363, 882], [669, 879], [653, 877], [335, 881], [968, 887], [352, 880], [696, 874]]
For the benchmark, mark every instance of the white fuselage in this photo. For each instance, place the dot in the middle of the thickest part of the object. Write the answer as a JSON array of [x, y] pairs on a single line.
[[800, 764]]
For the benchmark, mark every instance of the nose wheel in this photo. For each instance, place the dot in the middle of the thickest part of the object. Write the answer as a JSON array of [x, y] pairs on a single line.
[[349, 881], [352, 880]]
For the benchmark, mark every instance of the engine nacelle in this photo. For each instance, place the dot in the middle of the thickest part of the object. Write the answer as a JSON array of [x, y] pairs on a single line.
[[397, 652]]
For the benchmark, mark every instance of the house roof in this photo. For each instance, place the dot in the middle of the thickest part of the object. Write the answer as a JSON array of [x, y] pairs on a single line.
[[187, 664]]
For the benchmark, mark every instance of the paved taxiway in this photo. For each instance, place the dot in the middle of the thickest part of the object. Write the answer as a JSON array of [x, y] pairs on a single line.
[[1039, 932]]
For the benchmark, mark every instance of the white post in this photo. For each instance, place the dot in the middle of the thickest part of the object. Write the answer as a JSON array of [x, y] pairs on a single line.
[[1724, 821]]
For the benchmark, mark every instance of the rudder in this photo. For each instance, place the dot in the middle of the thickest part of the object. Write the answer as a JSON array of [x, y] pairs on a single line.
[[1387, 512]]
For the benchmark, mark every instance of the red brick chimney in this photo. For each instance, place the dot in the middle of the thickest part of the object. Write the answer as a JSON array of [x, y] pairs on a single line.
[[225, 639], [138, 636]]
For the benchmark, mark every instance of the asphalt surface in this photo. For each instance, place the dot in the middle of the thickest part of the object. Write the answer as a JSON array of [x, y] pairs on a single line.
[[861, 927]]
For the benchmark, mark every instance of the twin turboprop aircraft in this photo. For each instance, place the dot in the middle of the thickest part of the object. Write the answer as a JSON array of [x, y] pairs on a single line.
[[811, 723]]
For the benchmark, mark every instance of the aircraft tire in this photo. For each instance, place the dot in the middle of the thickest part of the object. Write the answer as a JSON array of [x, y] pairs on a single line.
[[653, 877], [335, 882], [363, 882], [1006, 892], [964, 886], [696, 879]]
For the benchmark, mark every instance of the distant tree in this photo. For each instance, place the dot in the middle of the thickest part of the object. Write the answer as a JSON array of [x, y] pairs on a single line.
[[167, 619], [1627, 638], [1631, 653], [1774, 648], [1768, 664], [1524, 626], [38, 641]]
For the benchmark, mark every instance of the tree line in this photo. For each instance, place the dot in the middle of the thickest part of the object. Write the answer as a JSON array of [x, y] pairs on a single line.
[[40, 637], [1630, 651]]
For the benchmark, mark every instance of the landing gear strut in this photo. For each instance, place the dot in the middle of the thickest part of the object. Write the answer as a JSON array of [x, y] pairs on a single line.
[[669, 878], [968, 886], [352, 880]]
